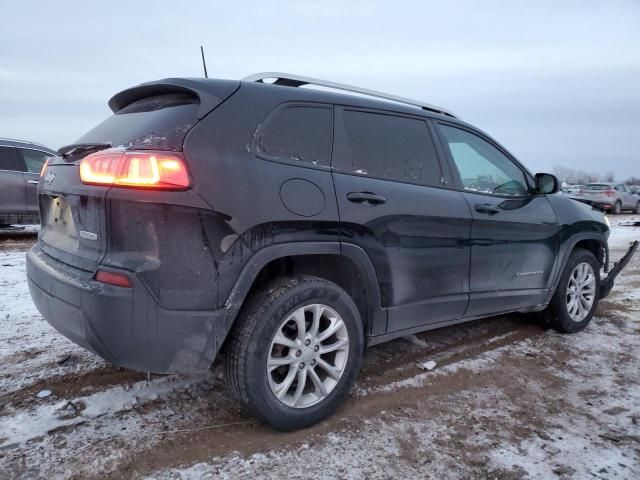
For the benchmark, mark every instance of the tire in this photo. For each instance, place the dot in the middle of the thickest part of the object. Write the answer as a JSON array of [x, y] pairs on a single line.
[[252, 343], [617, 208], [561, 313]]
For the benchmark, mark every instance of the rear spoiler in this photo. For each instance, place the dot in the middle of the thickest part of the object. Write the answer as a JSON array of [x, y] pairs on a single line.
[[210, 93]]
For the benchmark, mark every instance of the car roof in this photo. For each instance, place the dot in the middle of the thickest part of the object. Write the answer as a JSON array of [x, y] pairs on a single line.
[[338, 98], [211, 90], [12, 142], [206, 87]]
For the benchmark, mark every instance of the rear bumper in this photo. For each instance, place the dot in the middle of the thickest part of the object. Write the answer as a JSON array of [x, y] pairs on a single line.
[[125, 326]]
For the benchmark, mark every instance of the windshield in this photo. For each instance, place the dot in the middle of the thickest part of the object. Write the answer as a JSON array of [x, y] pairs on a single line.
[[598, 186]]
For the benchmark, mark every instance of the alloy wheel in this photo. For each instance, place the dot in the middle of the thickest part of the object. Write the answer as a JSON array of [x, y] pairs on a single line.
[[308, 356], [581, 291]]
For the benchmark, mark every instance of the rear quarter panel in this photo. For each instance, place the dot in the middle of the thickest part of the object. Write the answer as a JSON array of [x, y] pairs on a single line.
[[246, 190]]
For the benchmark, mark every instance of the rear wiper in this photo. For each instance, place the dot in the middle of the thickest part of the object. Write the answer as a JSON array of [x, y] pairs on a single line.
[[75, 148]]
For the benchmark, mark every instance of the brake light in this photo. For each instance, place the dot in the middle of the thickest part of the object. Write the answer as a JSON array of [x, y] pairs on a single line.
[[161, 170], [44, 167], [111, 278], [610, 193]]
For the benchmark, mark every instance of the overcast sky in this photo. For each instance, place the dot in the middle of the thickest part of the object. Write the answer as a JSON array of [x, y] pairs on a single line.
[[555, 82]]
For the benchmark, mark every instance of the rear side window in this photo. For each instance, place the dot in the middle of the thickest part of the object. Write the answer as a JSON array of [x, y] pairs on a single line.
[[297, 134], [157, 122], [387, 146], [34, 159], [8, 158]]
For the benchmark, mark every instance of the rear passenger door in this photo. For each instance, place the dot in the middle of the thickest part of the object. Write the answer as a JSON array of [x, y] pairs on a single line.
[[12, 185], [394, 203], [32, 161]]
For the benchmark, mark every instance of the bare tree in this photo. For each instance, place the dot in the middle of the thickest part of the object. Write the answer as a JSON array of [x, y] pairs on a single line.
[[633, 181], [608, 177], [565, 174], [580, 177]]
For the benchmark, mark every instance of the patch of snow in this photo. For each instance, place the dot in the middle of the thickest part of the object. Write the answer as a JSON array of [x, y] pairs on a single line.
[[622, 236], [27, 425], [29, 346], [430, 365]]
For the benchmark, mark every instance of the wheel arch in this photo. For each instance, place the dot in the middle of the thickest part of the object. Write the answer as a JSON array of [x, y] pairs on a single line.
[[346, 265], [596, 244]]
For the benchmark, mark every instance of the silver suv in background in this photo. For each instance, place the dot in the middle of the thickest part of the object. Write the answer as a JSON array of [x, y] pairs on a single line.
[[20, 165], [614, 197]]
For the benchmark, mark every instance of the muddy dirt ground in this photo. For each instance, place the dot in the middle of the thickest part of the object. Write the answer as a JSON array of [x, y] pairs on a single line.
[[508, 398]]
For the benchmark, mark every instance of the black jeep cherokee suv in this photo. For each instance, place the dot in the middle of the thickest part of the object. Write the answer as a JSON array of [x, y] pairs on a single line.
[[288, 228]]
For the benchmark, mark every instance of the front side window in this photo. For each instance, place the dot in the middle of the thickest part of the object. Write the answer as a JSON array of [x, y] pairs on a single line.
[[621, 188], [388, 146], [34, 159], [482, 167], [297, 134], [8, 158]]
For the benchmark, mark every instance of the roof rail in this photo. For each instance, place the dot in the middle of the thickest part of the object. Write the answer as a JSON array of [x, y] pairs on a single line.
[[289, 80], [25, 142]]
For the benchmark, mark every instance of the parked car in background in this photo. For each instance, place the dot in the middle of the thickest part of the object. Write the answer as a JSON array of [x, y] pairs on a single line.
[[20, 165], [571, 190], [614, 197], [288, 228]]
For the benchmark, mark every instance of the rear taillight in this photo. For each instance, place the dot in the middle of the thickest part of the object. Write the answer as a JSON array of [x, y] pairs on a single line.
[[161, 170], [610, 193], [111, 278]]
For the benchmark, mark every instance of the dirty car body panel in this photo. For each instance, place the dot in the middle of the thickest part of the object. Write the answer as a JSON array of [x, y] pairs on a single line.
[[190, 257]]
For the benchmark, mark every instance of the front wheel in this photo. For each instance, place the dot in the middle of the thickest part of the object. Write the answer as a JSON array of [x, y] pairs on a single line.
[[577, 295], [295, 352]]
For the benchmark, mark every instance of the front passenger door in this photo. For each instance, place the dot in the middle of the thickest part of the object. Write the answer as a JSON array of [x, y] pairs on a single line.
[[514, 233]]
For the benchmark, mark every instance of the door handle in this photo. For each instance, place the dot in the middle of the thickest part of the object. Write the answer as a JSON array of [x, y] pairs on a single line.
[[361, 197], [487, 208], [33, 182]]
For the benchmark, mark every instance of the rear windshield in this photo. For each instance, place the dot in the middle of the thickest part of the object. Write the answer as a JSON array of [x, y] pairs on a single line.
[[158, 122], [597, 186]]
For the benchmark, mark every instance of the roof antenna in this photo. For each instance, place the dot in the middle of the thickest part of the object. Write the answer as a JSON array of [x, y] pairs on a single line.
[[204, 63]]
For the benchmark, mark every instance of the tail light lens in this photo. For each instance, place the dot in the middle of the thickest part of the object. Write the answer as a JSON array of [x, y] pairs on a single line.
[[111, 278], [610, 193], [146, 169]]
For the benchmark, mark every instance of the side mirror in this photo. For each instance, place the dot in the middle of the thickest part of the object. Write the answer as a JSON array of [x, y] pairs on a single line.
[[547, 184]]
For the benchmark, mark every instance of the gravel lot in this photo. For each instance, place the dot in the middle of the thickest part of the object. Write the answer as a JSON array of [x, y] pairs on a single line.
[[507, 399]]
